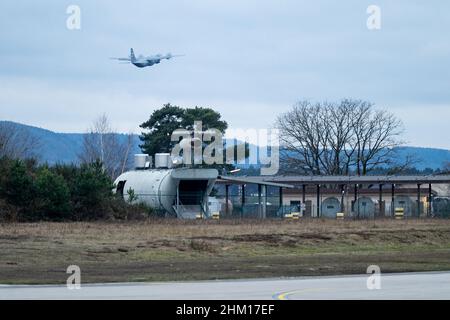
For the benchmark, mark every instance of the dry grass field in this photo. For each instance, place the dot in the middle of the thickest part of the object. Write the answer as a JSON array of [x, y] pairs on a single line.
[[186, 250]]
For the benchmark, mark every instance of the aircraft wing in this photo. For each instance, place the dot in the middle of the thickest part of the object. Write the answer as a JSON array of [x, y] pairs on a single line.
[[170, 56], [121, 59]]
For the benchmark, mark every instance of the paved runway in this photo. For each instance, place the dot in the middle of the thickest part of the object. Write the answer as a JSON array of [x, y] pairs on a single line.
[[427, 285]]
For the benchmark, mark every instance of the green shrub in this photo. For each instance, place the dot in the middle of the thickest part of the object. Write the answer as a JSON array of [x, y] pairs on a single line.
[[8, 212], [121, 210], [91, 191], [29, 192], [16, 184], [52, 200]]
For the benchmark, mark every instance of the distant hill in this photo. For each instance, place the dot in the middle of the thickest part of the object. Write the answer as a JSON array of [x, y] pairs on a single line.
[[64, 148], [55, 147], [432, 158]]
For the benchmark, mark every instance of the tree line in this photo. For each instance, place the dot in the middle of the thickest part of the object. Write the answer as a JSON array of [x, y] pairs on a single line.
[[333, 138]]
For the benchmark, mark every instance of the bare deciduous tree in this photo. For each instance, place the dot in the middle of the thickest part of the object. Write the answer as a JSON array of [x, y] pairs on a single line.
[[336, 138], [102, 144], [376, 137], [17, 142]]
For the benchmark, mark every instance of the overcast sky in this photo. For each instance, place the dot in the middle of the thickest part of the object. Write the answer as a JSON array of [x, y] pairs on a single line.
[[248, 59]]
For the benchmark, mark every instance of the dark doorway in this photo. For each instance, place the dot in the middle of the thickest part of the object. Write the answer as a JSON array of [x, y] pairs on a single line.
[[120, 187], [191, 192]]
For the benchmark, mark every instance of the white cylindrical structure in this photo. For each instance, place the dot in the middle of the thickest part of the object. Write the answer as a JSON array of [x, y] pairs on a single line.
[[181, 191]]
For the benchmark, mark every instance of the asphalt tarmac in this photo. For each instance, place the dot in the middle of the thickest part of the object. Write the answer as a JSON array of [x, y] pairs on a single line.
[[426, 285]]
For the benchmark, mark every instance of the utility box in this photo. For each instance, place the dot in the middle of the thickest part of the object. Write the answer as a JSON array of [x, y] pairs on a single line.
[[142, 161], [163, 161]]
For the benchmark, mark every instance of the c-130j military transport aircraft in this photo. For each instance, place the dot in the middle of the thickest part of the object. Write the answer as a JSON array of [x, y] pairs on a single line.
[[142, 61]]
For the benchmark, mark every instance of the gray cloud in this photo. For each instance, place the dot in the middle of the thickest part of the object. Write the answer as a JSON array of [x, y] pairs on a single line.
[[248, 59]]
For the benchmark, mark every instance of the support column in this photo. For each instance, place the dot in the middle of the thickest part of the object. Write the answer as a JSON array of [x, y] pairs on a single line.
[[243, 200], [318, 201], [429, 200], [259, 201], [342, 198], [281, 196], [380, 200], [264, 198], [392, 199], [178, 199], [227, 198], [304, 199], [355, 203], [418, 200]]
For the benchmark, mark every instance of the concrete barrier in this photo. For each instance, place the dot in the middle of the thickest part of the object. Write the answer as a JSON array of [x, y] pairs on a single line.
[[399, 213], [215, 215]]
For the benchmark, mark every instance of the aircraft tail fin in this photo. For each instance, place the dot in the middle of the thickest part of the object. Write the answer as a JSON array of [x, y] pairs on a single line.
[[132, 56]]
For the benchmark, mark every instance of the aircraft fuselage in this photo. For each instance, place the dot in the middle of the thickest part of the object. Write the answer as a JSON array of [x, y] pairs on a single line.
[[145, 63], [142, 61]]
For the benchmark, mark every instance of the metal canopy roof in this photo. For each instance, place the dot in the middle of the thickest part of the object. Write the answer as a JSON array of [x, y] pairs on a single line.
[[361, 179], [289, 181], [254, 180]]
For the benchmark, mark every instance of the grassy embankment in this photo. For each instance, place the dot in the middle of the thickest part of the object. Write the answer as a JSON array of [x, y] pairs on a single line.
[[188, 250]]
